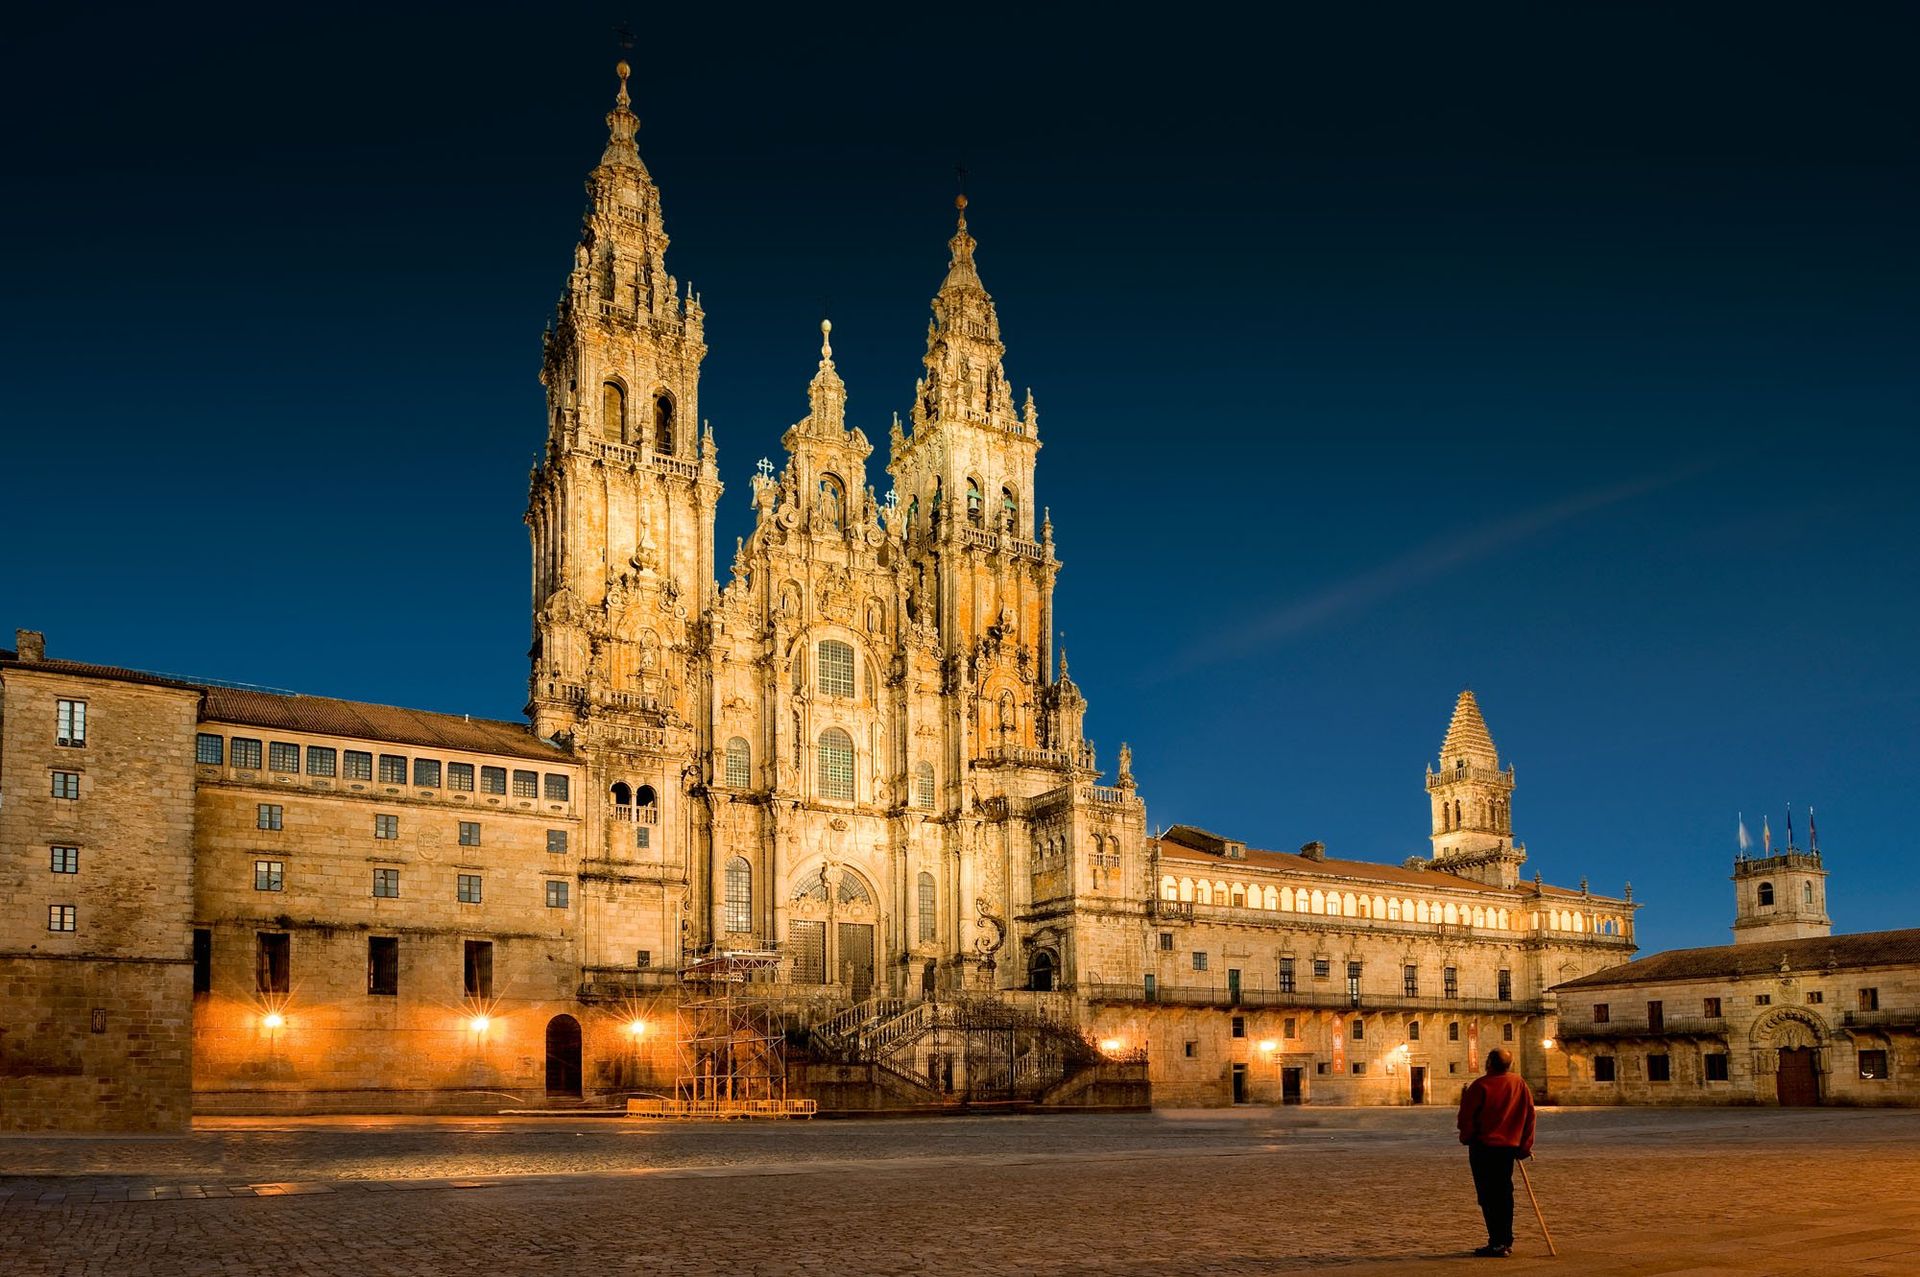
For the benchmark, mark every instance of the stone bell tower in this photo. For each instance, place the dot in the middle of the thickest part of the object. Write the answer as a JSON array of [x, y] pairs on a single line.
[[1781, 895], [620, 510], [1473, 802]]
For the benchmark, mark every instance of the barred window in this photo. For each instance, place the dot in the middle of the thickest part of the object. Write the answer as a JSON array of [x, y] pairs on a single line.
[[426, 773], [836, 668], [836, 764], [557, 841], [739, 764], [322, 760], [556, 895], [807, 941], [209, 749], [62, 917], [386, 826], [1505, 987], [65, 860], [269, 875], [393, 769], [66, 784], [268, 816], [70, 723], [923, 785], [739, 905], [1410, 980], [460, 777], [469, 833], [557, 787], [386, 882], [526, 784], [493, 780], [466, 889], [283, 757], [246, 753], [357, 764], [928, 919]]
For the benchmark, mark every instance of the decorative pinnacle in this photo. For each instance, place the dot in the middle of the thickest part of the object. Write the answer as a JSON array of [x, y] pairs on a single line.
[[622, 70], [826, 339]]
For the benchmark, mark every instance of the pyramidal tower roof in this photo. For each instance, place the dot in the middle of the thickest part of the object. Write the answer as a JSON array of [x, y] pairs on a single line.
[[1468, 737]]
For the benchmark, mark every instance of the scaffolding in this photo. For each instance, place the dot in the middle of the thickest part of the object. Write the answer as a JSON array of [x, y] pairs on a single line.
[[730, 1047]]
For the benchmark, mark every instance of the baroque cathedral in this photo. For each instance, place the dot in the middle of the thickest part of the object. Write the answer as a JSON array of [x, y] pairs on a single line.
[[857, 757], [836, 749]]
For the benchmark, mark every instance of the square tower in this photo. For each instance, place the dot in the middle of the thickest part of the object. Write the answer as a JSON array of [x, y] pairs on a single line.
[[1780, 897]]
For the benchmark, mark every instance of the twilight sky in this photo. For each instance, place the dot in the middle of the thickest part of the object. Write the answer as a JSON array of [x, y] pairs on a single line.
[[1571, 353]]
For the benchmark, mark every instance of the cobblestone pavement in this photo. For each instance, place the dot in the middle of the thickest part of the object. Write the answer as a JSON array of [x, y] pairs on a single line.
[[1362, 1191]]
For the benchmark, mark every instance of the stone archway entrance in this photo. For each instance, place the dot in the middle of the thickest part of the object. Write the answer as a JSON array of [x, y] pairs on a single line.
[[1041, 969], [1793, 1035], [563, 1055]]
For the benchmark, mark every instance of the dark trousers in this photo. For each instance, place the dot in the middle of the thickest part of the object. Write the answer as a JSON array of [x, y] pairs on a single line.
[[1493, 1185]]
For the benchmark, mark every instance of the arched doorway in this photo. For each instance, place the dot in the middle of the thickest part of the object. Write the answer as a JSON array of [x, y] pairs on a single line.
[[563, 1055], [1041, 969], [1796, 1083], [1794, 1036]]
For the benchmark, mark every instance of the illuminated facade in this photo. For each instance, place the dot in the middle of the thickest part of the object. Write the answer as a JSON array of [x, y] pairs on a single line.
[[860, 749]]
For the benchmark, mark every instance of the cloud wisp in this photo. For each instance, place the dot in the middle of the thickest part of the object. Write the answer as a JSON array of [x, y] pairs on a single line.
[[1417, 566]]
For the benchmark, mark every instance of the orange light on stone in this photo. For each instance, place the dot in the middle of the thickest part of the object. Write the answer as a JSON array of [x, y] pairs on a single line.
[[1547, 1043], [1112, 1045], [273, 1020], [479, 1024], [1269, 1046], [637, 1028]]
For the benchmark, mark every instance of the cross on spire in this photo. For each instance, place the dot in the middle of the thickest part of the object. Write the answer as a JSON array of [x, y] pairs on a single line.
[[765, 467]]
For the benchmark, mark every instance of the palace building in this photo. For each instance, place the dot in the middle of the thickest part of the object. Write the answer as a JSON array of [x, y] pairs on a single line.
[[853, 750]]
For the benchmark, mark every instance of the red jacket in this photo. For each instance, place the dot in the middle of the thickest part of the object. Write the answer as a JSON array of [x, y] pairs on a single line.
[[1497, 1110]]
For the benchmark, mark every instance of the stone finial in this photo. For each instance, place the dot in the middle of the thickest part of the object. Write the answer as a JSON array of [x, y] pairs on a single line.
[[826, 341], [622, 124]]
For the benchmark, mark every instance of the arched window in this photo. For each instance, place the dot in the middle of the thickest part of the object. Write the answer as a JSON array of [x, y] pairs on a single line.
[[836, 765], [663, 423], [1806, 892], [833, 502], [1766, 893], [1479, 916], [1458, 819], [739, 907], [836, 668], [613, 411], [1203, 892], [1393, 911], [1319, 902], [1421, 913], [645, 798], [739, 764], [622, 794], [1009, 509], [1186, 889], [1349, 906], [1238, 897], [852, 891], [1169, 889], [975, 503], [1379, 908], [923, 785], [1453, 915], [928, 921], [1269, 899]]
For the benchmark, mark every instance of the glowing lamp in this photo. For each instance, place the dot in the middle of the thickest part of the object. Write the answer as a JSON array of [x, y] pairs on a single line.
[[479, 1023], [1547, 1043], [273, 1019], [636, 1027], [1111, 1045], [1268, 1045]]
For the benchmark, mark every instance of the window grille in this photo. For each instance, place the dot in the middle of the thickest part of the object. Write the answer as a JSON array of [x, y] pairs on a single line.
[[426, 773], [493, 780], [836, 765], [526, 784], [357, 764], [557, 787], [929, 921], [923, 785], [283, 757], [246, 753], [836, 668], [738, 913], [460, 777], [209, 749], [739, 769], [322, 760], [393, 769]]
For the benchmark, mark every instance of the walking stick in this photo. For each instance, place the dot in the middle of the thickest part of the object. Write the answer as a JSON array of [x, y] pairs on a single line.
[[1528, 1181]]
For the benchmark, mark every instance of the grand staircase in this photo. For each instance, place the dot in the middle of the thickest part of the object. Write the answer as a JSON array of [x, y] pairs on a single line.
[[959, 1052]]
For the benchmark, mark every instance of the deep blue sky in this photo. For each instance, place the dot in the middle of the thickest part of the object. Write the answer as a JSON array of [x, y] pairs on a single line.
[[1567, 352]]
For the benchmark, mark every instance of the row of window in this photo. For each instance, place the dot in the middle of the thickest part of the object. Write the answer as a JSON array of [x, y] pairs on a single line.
[[244, 753], [1323, 970], [1865, 999], [1872, 1065], [1356, 1030], [272, 817], [271, 875], [273, 964]]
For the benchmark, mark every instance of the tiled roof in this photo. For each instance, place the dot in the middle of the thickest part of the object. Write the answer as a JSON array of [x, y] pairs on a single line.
[[80, 669], [1762, 957], [326, 716], [1207, 848]]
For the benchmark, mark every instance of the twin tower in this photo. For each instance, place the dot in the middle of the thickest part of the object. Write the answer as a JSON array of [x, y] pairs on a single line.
[[839, 749]]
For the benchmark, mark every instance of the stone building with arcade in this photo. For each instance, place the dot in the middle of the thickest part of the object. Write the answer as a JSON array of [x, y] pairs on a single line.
[[852, 747]]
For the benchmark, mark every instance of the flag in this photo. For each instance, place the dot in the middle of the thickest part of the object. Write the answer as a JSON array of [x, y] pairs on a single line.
[[1766, 837], [1813, 832], [1746, 839], [1789, 826]]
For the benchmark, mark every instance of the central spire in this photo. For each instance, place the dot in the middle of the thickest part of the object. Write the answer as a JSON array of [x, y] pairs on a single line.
[[622, 126], [961, 273]]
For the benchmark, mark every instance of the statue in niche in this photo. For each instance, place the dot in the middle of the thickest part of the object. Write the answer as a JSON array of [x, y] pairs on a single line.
[[1006, 713]]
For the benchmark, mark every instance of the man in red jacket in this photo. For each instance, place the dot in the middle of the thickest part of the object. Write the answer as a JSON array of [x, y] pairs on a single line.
[[1496, 1125]]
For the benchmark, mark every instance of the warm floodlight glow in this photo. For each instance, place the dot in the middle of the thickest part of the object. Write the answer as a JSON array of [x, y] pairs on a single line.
[[1547, 1043], [636, 1027], [272, 1019], [1269, 1045], [1112, 1045], [479, 1023]]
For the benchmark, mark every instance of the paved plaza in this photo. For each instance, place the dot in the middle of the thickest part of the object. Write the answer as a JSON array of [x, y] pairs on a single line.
[[1244, 1191]]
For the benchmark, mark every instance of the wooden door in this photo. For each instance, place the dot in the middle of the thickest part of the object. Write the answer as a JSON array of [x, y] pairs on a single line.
[[1419, 1084], [1290, 1086], [1796, 1082]]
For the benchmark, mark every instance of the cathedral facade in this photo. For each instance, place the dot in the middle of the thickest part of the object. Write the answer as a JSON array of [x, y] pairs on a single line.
[[853, 746]]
